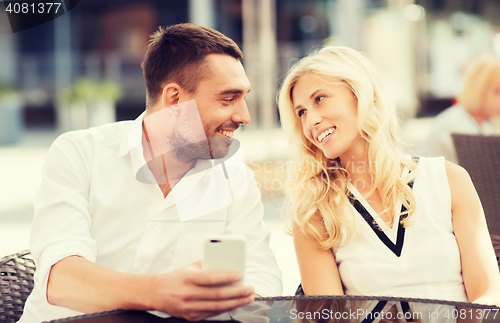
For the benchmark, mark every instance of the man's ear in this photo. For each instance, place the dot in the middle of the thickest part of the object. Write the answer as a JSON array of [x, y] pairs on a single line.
[[170, 95]]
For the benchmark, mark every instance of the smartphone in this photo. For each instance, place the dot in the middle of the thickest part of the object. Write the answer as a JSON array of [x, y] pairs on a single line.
[[224, 252]]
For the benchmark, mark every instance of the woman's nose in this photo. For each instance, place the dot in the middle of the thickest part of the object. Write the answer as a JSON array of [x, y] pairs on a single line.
[[313, 119]]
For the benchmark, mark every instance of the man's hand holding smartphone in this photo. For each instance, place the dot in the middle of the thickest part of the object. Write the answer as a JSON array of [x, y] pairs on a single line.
[[194, 294], [209, 287]]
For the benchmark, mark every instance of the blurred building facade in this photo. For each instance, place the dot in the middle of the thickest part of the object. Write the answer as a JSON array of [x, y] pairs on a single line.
[[418, 46]]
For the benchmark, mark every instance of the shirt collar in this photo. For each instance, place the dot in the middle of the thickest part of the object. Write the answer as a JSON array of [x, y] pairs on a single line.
[[132, 138]]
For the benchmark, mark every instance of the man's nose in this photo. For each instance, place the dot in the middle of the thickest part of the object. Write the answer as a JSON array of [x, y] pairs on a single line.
[[241, 114]]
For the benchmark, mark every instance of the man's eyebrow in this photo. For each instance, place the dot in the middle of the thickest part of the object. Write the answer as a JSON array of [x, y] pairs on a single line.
[[233, 91]]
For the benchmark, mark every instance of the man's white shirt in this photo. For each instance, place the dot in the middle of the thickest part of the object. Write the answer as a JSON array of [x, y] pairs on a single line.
[[91, 204]]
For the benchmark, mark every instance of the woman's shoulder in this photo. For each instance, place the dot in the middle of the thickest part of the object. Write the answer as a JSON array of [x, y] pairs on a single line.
[[452, 170], [441, 178], [457, 175], [431, 176], [425, 163]]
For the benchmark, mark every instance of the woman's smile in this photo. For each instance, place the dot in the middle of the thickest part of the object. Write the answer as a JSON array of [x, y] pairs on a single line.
[[328, 113]]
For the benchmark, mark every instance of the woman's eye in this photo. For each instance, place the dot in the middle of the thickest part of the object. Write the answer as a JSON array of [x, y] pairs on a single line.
[[319, 98], [301, 112]]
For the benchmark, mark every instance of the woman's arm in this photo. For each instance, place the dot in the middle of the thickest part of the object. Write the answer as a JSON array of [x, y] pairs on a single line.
[[318, 268], [479, 266]]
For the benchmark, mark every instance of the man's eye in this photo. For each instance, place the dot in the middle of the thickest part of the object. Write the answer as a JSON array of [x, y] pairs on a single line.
[[319, 98], [228, 100]]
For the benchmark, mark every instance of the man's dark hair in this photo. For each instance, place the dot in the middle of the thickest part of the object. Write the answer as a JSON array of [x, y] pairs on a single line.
[[177, 54]]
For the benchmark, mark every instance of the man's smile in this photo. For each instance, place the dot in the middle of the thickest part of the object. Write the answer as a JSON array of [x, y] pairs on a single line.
[[227, 133]]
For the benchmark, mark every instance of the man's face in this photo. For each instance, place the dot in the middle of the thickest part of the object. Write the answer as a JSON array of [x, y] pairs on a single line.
[[220, 99]]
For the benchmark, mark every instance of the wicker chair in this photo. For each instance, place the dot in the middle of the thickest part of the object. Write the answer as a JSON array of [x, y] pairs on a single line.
[[480, 156], [16, 283]]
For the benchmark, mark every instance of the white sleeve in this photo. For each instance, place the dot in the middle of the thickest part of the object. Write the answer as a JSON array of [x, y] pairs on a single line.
[[246, 218], [61, 224], [439, 143]]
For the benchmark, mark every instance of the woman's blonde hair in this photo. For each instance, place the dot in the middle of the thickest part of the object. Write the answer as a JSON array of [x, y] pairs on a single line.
[[317, 187], [477, 79]]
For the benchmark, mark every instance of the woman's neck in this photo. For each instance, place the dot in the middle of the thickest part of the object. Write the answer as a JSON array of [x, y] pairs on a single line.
[[359, 171]]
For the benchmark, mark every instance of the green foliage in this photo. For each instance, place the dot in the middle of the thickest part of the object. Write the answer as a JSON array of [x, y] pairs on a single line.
[[87, 90], [6, 88]]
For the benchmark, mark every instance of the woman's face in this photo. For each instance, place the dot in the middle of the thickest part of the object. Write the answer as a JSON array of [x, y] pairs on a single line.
[[328, 114], [491, 106]]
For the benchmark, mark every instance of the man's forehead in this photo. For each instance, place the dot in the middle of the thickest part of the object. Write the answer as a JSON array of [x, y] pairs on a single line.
[[225, 63], [233, 86], [227, 75]]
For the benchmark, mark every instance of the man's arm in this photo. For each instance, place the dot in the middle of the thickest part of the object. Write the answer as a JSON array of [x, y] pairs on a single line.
[[189, 292]]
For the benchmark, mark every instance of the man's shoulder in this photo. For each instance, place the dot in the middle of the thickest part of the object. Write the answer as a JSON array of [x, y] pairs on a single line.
[[454, 119], [456, 113], [106, 135]]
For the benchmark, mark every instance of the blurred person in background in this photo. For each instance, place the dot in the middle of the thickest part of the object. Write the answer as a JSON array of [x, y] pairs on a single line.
[[478, 101], [367, 219]]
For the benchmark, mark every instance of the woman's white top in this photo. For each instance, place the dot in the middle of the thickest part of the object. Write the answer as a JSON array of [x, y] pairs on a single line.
[[420, 261]]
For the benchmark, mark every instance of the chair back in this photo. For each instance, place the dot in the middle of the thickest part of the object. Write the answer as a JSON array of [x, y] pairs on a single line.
[[480, 156], [16, 283], [495, 240]]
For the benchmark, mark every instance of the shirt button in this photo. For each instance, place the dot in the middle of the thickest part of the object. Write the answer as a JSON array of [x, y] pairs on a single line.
[[153, 226], [140, 268]]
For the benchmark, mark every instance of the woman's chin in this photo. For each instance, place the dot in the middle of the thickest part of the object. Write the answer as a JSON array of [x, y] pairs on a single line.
[[330, 154]]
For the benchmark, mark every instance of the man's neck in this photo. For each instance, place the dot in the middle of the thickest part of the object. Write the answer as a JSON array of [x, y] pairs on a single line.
[[479, 117], [167, 169]]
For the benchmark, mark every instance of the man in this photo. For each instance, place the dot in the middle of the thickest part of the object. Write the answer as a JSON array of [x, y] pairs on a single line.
[[123, 208]]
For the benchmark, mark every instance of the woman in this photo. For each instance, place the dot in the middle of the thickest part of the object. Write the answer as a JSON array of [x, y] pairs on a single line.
[[478, 101], [367, 219]]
